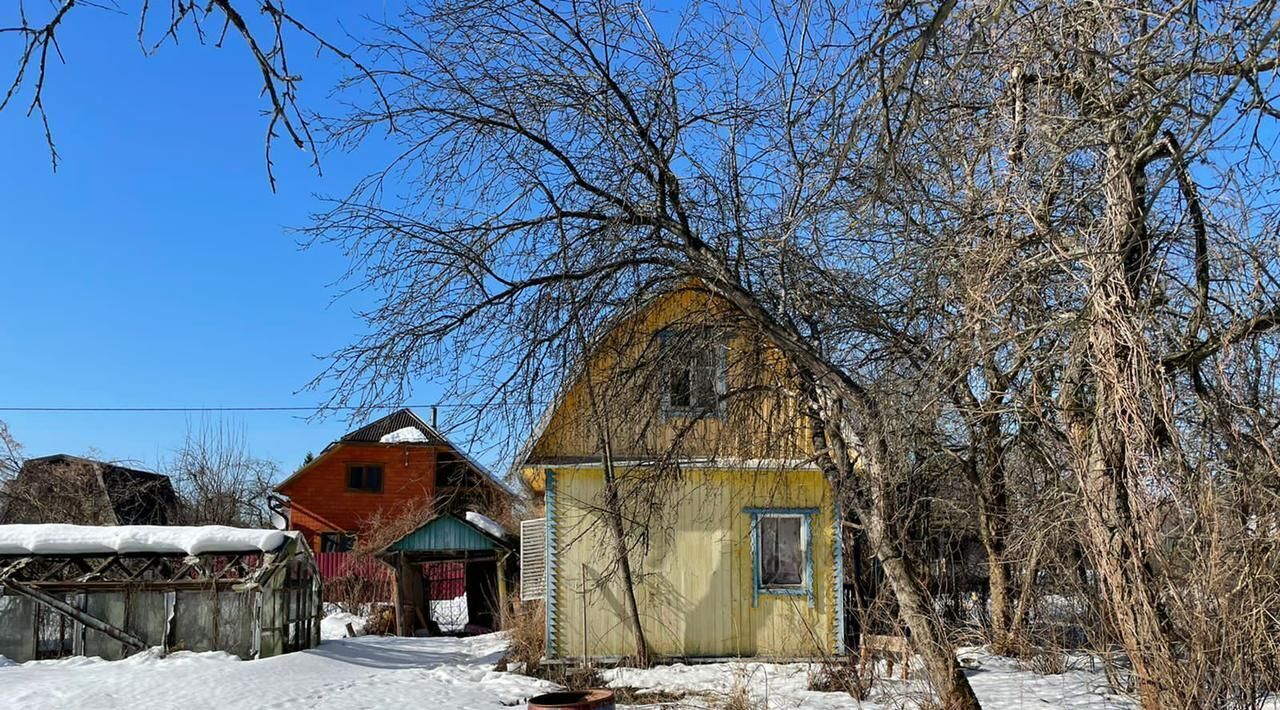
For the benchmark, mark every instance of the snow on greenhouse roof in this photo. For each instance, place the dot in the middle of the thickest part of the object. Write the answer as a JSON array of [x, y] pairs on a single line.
[[58, 539]]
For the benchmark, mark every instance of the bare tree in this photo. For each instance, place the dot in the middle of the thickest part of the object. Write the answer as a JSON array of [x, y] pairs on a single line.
[[1099, 170], [10, 464], [568, 160], [218, 480], [10, 453], [262, 26]]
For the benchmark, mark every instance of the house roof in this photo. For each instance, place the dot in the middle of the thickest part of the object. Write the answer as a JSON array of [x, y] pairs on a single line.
[[448, 533], [395, 421], [135, 496], [373, 433], [598, 339]]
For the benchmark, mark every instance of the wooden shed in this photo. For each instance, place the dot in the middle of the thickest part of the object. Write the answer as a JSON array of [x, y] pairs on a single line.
[[451, 558], [111, 591]]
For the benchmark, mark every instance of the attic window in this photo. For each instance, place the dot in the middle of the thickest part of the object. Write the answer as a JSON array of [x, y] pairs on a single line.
[[695, 381], [365, 477], [451, 470]]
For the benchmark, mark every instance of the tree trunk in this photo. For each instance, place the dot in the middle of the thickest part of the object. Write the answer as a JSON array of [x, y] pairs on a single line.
[[617, 520], [1126, 584], [844, 465], [1003, 625], [1028, 588], [623, 556], [928, 637], [993, 508], [1113, 435]]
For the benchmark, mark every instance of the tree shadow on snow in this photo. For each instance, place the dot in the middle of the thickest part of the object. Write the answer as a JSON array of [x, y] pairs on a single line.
[[392, 652]]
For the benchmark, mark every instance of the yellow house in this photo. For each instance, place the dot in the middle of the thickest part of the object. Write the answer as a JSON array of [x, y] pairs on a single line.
[[731, 531]]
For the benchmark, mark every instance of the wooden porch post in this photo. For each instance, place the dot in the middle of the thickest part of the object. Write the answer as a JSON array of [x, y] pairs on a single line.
[[499, 613], [397, 599]]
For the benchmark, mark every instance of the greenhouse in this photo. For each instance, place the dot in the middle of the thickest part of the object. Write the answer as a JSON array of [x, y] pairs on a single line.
[[112, 591]]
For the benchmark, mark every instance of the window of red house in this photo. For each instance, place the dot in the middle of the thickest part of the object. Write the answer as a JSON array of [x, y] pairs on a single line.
[[364, 477], [337, 542], [451, 470]]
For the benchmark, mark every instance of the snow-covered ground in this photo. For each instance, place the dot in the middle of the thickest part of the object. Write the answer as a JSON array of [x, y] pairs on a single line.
[[334, 626], [371, 672], [999, 684], [365, 672]]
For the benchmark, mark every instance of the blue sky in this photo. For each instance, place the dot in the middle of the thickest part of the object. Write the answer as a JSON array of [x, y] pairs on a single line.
[[155, 268]]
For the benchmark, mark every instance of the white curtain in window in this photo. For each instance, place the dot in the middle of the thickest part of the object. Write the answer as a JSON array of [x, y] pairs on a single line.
[[781, 550]]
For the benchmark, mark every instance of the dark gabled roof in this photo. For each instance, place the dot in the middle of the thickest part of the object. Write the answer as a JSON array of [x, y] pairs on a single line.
[[134, 496], [395, 421], [139, 497]]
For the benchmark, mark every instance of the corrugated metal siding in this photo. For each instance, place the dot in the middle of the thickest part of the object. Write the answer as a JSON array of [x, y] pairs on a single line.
[[335, 566], [443, 534], [553, 574], [696, 598], [444, 580]]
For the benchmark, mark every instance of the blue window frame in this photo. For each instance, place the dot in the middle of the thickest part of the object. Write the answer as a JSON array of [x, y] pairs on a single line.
[[781, 552]]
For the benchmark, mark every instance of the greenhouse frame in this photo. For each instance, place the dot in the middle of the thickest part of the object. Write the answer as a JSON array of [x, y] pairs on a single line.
[[112, 591]]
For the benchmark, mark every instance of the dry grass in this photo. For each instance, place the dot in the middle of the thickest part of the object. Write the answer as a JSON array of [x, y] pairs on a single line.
[[647, 696], [739, 699], [842, 677], [1049, 661], [525, 624], [380, 620]]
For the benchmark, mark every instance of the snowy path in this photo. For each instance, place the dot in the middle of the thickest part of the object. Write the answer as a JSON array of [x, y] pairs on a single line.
[[367, 672], [447, 673]]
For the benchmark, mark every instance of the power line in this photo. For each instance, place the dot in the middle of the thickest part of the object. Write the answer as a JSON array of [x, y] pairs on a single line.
[[180, 409], [322, 408]]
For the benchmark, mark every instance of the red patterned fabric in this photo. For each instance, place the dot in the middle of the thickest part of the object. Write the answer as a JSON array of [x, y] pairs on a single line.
[[445, 580]]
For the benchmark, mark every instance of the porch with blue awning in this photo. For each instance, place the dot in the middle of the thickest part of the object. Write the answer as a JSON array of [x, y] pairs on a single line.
[[424, 560]]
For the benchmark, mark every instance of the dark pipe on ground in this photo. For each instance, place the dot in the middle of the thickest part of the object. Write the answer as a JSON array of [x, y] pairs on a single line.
[[597, 699]]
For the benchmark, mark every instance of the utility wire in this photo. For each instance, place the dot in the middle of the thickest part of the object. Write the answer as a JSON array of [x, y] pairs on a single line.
[[266, 409]]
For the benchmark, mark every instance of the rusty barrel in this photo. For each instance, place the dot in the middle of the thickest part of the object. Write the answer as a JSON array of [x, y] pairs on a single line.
[[595, 699]]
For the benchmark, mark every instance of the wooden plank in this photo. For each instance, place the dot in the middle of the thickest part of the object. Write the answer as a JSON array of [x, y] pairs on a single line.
[[75, 614], [502, 594], [14, 567], [398, 597], [193, 585]]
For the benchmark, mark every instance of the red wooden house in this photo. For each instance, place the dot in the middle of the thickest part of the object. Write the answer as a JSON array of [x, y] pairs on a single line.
[[389, 465]]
